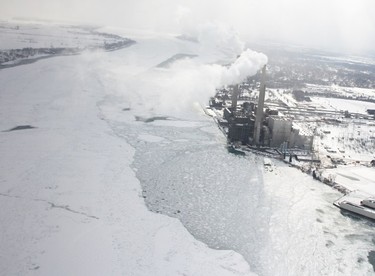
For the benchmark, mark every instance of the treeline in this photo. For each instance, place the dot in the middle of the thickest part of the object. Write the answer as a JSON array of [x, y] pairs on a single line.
[[24, 53]]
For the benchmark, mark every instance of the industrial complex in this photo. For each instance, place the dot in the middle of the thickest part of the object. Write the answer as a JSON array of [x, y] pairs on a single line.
[[312, 135], [249, 122]]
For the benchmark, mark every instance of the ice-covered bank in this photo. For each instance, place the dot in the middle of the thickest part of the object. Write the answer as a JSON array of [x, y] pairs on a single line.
[[69, 202]]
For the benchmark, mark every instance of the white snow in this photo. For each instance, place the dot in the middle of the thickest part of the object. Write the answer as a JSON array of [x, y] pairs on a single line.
[[307, 234], [23, 34], [70, 203], [352, 106], [150, 138], [70, 188], [355, 178], [287, 99], [351, 140], [342, 90]]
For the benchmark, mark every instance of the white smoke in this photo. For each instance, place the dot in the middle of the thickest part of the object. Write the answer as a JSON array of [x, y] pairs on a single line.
[[217, 36], [246, 65], [210, 35], [174, 91]]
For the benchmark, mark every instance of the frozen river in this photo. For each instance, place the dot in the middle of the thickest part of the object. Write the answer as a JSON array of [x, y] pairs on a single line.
[[72, 204], [281, 220]]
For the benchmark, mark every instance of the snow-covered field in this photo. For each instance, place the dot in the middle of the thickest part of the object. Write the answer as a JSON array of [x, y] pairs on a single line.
[[351, 106], [351, 140], [39, 34], [114, 135], [23, 43], [355, 178], [343, 91]]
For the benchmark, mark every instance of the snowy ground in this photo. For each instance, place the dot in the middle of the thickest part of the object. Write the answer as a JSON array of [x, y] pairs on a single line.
[[23, 34], [355, 178], [24, 43], [337, 140], [70, 203], [113, 135], [351, 140], [343, 105], [344, 91]]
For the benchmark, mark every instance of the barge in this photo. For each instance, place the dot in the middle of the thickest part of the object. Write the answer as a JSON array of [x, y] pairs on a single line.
[[357, 203]]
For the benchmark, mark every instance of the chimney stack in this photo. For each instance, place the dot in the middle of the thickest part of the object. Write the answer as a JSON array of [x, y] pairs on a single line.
[[259, 114], [234, 97]]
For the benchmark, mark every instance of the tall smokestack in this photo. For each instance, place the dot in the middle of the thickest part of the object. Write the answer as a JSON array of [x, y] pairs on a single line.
[[259, 115], [234, 97]]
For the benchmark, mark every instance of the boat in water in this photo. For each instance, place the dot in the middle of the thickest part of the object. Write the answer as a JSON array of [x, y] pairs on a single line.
[[365, 208], [369, 202]]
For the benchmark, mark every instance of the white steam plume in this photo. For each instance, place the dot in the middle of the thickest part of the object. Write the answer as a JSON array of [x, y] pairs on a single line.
[[175, 90], [209, 34]]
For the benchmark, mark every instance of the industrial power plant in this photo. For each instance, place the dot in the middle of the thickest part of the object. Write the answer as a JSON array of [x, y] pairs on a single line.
[[248, 121]]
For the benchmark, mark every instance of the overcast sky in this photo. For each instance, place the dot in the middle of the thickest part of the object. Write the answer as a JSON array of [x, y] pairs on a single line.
[[333, 24]]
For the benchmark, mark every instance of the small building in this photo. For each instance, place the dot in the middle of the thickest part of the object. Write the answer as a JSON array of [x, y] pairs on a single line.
[[301, 140], [240, 132], [281, 129]]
